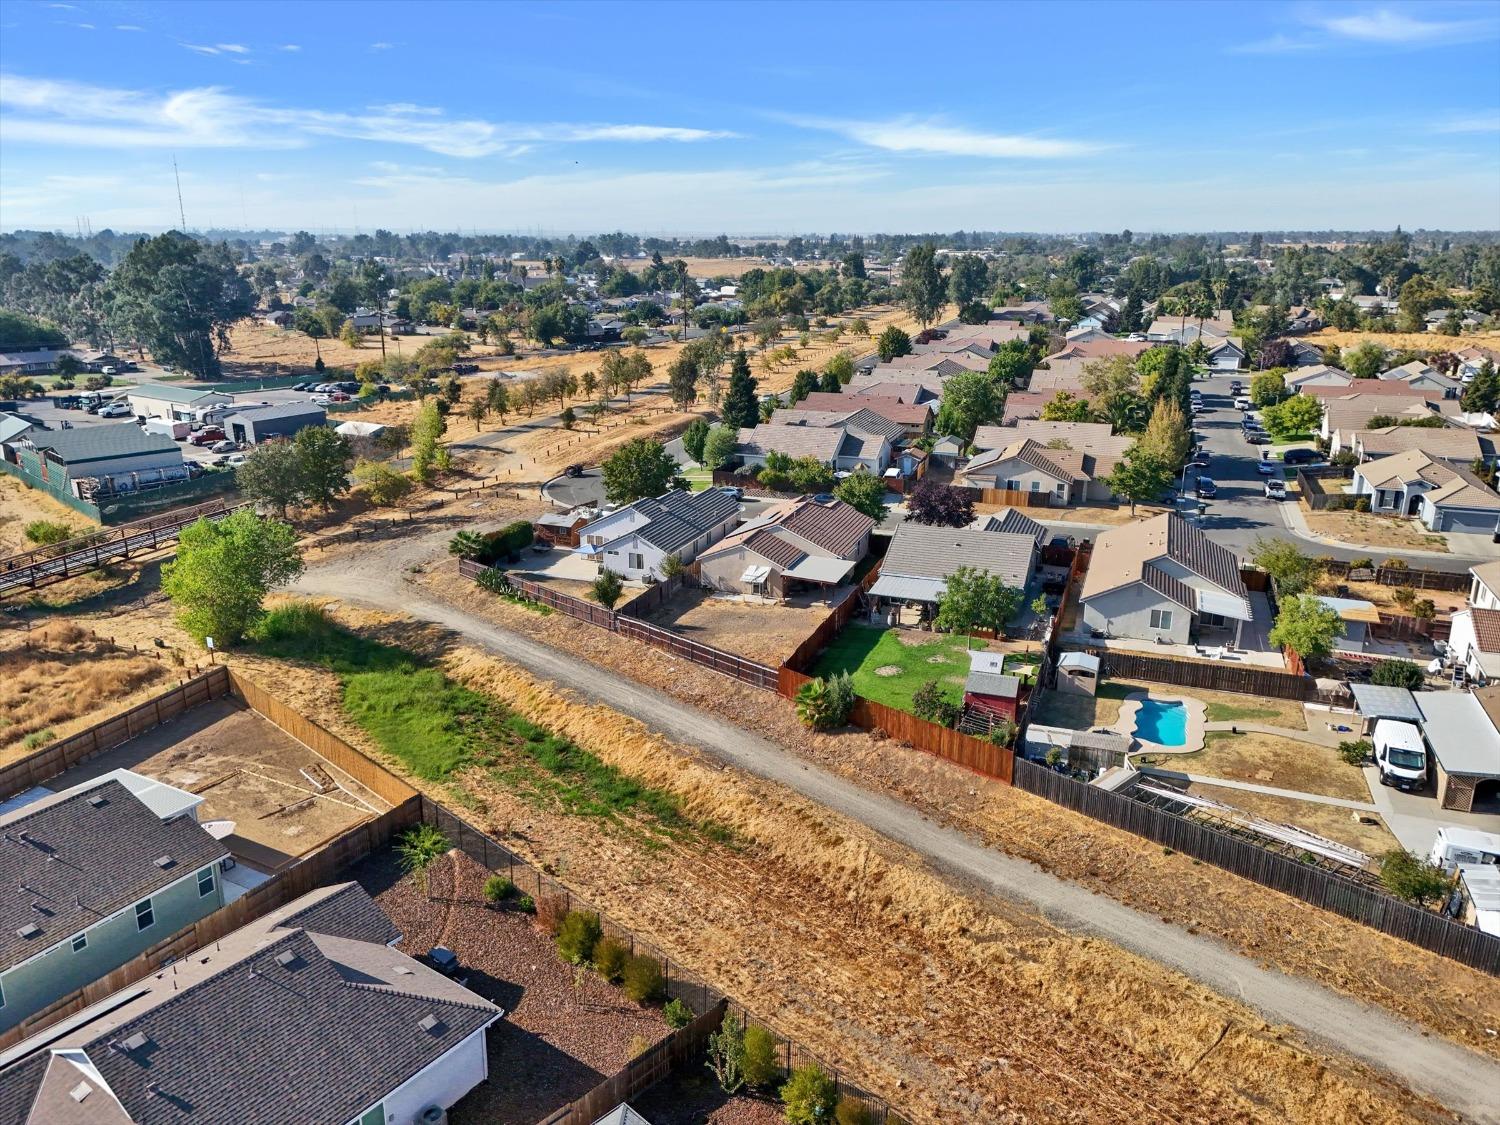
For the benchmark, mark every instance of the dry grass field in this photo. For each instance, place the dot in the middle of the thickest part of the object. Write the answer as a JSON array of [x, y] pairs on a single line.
[[1399, 341], [1266, 759], [1376, 532], [20, 505], [760, 630], [1343, 826]]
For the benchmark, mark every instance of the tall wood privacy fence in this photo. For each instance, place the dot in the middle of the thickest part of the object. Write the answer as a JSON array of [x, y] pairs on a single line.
[[1399, 576], [1312, 885], [65, 753], [683, 1046], [1010, 497], [1212, 677]]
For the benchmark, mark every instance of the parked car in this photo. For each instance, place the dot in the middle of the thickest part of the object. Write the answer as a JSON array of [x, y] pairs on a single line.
[[114, 410], [348, 386], [301, 386], [225, 446], [1257, 437], [1243, 403], [1276, 489], [206, 436], [465, 368], [1267, 468], [1207, 489], [737, 493], [1400, 754], [573, 471], [321, 399], [1301, 456], [1236, 387], [231, 460]]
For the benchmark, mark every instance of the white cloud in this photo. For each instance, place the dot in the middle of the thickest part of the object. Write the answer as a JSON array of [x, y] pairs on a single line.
[[381, 46], [73, 113], [128, 27], [233, 48], [408, 108], [912, 134], [290, 47], [1384, 25], [201, 48], [1477, 123], [1275, 45]]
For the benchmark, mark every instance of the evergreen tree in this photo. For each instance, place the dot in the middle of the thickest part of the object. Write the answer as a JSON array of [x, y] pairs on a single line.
[[1480, 396], [739, 408]]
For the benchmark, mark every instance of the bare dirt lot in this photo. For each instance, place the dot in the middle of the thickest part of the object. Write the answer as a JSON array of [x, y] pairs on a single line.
[[284, 799], [760, 630], [1397, 341], [1342, 825], [1377, 532], [1266, 759]]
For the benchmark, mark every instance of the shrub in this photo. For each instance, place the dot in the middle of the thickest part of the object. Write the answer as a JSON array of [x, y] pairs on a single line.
[[498, 888], [1411, 877], [1404, 596], [1394, 564], [677, 1014], [1397, 673], [551, 911], [809, 1096], [1361, 503], [927, 702], [644, 980], [1362, 564], [610, 956], [1424, 610], [851, 1112], [672, 566], [526, 904], [44, 533], [761, 1064], [1356, 753], [576, 937], [382, 484], [607, 588], [824, 704], [726, 1055]]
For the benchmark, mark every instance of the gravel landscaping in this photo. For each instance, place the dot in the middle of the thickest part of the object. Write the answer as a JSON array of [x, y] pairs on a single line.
[[565, 1029], [693, 1097]]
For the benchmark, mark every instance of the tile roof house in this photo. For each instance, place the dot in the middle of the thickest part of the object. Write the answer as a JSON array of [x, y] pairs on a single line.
[[1465, 504], [921, 557], [943, 362], [1162, 578], [914, 417], [842, 446], [1101, 448], [1484, 587], [1349, 412], [1395, 484], [1022, 406], [635, 541], [799, 544], [905, 383], [303, 1015], [1093, 349], [92, 877], [853, 417], [1069, 470], [1448, 444]]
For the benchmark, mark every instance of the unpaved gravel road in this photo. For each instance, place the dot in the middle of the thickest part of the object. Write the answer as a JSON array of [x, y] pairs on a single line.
[[1460, 1079]]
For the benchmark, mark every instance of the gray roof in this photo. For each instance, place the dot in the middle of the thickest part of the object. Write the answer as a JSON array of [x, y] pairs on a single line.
[[1460, 733], [96, 443], [83, 854], [1377, 702], [345, 911], [270, 1024], [920, 551], [677, 518], [289, 410], [1016, 522], [992, 683], [159, 392]]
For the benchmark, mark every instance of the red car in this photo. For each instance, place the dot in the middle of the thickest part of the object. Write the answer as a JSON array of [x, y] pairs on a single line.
[[206, 436]]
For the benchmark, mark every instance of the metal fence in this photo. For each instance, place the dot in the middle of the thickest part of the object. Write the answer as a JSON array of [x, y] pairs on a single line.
[[1324, 889]]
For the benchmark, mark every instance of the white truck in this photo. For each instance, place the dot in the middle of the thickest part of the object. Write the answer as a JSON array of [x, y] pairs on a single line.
[[1400, 754], [177, 431], [1464, 845]]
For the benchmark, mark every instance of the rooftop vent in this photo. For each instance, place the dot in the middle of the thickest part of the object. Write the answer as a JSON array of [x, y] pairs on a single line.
[[286, 959], [165, 862], [403, 970], [98, 800], [136, 1041], [30, 930], [80, 1091], [430, 1023]]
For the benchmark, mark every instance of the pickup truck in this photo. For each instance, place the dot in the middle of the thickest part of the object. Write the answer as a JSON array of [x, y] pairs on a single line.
[[206, 436]]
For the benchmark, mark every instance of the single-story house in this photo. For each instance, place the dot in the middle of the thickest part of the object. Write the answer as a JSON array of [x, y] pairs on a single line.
[[915, 418], [855, 418], [1224, 355], [1094, 349], [1353, 411], [280, 318], [1484, 585], [114, 451], [172, 404], [1163, 578], [799, 544], [1305, 354], [1021, 406], [921, 557], [1464, 504], [842, 447], [1459, 727], [943, 362], [1102, 449], [254, 427], [635, 541], [1419, 375], [307, 1013], [1395, 484], [1027, 465], [1474, 642], [1451, 443], [32, 361], [909, 387], [1064, 375], [1317, 375], [1471, 359]]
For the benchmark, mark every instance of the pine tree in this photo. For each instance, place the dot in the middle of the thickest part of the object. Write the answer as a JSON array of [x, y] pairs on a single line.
[[1480, 396], [739, 408]]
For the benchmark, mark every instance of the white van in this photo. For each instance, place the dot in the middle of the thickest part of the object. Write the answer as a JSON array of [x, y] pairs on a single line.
[[1400, 754], [1464, 845]]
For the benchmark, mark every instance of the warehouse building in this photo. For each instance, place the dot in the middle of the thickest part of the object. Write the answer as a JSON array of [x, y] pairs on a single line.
[[253, 427]]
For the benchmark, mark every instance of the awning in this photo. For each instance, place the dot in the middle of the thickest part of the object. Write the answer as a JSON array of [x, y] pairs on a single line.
[[1223, 605], [816, 568], [755, 575], [904, 589], [589, 550]]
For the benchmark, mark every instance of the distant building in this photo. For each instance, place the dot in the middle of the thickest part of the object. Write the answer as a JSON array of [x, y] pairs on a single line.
[[257, 426]]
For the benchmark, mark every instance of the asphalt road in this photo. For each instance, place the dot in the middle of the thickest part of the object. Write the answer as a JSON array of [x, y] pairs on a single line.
[[1458, 1078]]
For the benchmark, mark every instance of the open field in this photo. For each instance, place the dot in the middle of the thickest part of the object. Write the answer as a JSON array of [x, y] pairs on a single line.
[[20, 506], [1445, 997], [284, 799], [1398, 341], [62, 677], [1341, 825], [1265, 759], [824, 929], [1376, 532], [761, 630]]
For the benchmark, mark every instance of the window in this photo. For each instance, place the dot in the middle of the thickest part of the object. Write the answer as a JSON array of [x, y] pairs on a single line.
[[376, 1116], [145, 916], [1036, 486], [1161, 619], [2, 996], [206, 882], [1013, 485], [636, 562], [80, 943]]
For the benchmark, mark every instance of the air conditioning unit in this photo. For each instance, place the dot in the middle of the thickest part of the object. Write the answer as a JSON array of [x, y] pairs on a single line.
[[226, 863], [432, 1115]]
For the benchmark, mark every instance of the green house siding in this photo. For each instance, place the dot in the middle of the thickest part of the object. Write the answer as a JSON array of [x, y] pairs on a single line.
[[34, 984]]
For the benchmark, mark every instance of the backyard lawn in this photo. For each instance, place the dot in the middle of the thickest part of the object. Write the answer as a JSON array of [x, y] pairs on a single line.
[[889, 665]]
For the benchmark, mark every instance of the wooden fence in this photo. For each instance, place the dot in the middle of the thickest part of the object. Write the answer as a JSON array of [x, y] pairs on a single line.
[[1400, 576], [1237, 678], [952, 745], [1010, 497], [805, 655], [653, 597], [62, 755], [1320, 888]]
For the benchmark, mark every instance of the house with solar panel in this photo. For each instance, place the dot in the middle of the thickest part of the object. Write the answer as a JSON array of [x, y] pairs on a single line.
[[307, 1014], [798, 545], [92, 877], [636, 540]]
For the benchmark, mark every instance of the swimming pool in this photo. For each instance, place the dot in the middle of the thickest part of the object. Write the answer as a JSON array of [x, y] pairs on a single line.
[[1162, 723]]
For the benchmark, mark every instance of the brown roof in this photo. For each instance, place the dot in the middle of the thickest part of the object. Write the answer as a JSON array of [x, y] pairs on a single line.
[[1412, 465], [835, 527], [1024, 404], [891, 407], [1352, 412], [1393, 387], [773, 548], [1452, 443], [1465, 490], [1124, 554], [1095, 348], [1486, 629]]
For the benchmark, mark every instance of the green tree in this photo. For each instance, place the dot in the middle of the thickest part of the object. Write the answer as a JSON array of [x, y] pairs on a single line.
[[1167, 438], [682, 381], [497, 398], [426, 434], [1293, 571], [1267, 388], [225, 569], [1398, 673], [976, 599], [968, 280], [893, 342], [418, 848], [1066, 407], [178, 297], [864, 492], [809, 1096], [1140, 475], [640, 467], [726, 1055], [740, 409], [272, 475], [607, 588], [803, 384], [1366, 361], [922, 289], [323, 457], [1300, 414], [719, 448], [1306, 626], [1410, 877], [841, 367], [969, 401], [761, 1065], [694, 438], [382, 484], [1482, 395]]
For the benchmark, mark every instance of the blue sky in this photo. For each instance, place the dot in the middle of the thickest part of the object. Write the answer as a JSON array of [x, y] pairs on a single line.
[[751, 119]]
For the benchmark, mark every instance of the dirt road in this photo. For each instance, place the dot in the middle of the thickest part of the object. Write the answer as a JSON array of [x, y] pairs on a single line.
[[1458, 1078]]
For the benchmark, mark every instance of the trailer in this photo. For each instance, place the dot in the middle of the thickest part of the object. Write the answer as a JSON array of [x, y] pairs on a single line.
[[177, 431]]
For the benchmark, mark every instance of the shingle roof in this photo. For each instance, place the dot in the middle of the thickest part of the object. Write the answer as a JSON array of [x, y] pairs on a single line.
[[1016, 522], [992, 683], [821, 442], [921, 551], [1404, 468], [269, 1025], [1451, 443], [340, 911], [93, 443], [677, 518], [82, 855], [1488, 573], [1465, 490], [1353, 411], [837, 527]]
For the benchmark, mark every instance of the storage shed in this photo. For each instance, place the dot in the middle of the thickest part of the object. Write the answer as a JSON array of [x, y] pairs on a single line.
[[254, 427]]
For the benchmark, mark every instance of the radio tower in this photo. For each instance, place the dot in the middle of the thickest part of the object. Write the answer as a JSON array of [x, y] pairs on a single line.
[[181, 215]]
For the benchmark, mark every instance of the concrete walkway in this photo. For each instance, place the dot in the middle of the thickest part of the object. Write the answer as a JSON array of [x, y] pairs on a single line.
[[1318, 738], [1269, 791], [1457, 1077]]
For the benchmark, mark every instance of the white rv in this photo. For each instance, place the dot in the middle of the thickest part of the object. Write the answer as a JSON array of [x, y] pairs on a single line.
[[1400, 754], [1454, 846]]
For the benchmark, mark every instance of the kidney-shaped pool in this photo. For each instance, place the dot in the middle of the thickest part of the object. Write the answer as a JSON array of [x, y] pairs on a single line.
[[1161, 722]]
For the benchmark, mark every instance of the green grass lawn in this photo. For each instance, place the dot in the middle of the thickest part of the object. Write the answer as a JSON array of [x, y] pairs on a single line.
[[699, 480], [1227, 713], [862, 649]]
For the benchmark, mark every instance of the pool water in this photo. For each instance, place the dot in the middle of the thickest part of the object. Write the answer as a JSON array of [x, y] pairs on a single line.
[[1162, 723]]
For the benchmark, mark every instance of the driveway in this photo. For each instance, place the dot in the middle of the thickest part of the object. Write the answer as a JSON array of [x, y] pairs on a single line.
[[1414, 818], [1458, 1078]]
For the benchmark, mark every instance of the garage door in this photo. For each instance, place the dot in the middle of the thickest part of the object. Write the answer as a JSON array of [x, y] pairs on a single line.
[[1479, 521]]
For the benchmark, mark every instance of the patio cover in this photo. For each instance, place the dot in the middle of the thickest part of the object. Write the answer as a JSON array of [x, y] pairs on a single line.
[[1224, 605], [1376, 702], [755, 574], [1460, 733], [1353, 609], [909, 589], [816, 568]]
